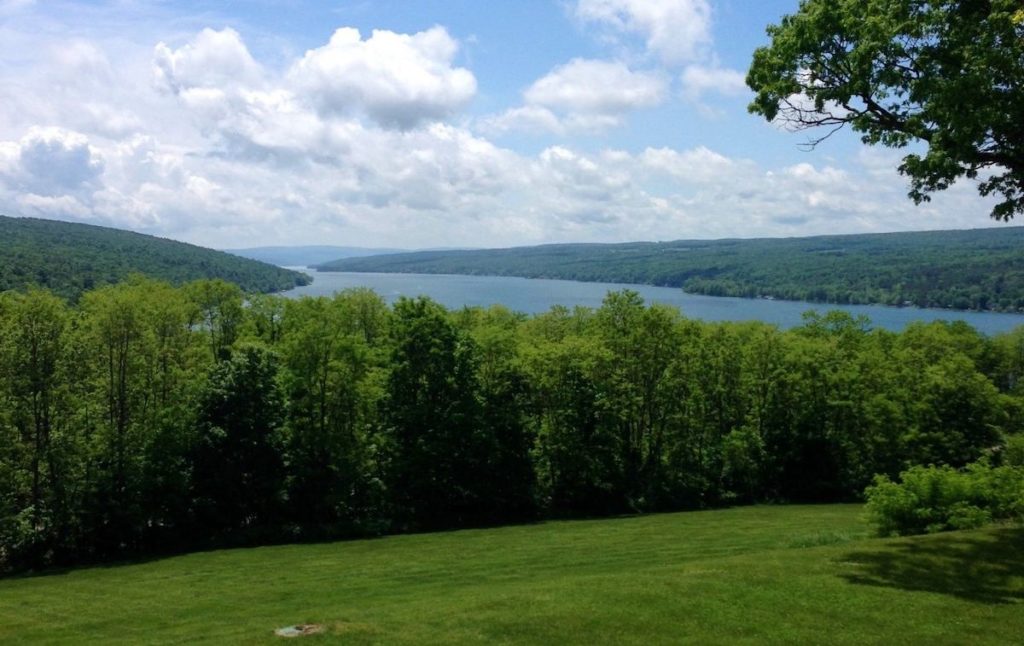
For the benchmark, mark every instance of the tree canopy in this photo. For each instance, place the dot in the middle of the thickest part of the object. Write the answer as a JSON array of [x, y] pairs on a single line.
[[147, 418], [946, 73]]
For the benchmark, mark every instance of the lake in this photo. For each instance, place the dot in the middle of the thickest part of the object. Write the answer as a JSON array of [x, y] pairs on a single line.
[[534, 296]]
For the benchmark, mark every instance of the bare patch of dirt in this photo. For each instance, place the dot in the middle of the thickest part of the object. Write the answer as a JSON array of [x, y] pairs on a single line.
[[299, 630]]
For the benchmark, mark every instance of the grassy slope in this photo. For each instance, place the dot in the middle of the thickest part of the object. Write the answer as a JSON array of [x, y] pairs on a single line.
[[70, 258], [749, 575]]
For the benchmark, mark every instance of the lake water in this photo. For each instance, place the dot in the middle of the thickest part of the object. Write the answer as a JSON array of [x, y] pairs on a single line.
[[534, 296]]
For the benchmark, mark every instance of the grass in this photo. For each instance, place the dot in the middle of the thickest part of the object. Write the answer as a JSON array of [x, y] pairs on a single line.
[[748, 575]]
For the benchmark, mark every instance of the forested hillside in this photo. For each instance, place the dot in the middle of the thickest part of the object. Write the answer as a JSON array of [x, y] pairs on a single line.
[[71, 258], [975, 269], [148, 417], [306, 256]]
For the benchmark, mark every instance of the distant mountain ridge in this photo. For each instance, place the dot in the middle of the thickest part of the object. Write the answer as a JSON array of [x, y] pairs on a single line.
[[307, 255], [979, 269], [69, 258]]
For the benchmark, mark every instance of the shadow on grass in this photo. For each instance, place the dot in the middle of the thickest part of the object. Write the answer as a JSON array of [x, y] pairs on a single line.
[[986, 568]]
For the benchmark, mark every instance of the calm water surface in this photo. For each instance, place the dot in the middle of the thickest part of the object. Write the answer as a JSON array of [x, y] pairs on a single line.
[[534, 296]]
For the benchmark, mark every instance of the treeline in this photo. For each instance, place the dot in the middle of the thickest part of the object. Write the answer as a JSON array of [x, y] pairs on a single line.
[[148, 418], [70, 258], [979, 269]]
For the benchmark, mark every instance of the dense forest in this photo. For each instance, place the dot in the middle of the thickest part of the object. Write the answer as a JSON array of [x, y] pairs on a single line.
[[979, 269], [71, 258], [305, 256], [149, 418]]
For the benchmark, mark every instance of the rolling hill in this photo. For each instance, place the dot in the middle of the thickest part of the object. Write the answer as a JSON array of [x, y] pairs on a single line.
[[308, 255], [973, 269], [69, 258]]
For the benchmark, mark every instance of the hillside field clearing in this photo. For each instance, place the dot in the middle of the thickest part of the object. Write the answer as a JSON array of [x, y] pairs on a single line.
[[766, 574]]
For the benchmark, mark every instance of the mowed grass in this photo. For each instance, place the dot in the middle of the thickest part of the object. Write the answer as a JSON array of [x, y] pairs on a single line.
[[793, 574]]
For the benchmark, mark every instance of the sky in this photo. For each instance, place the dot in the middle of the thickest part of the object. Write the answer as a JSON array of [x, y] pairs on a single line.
[[423, 123]]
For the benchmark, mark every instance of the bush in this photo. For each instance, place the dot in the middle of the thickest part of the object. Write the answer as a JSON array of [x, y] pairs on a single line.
[[1013, 454], [935, 499]]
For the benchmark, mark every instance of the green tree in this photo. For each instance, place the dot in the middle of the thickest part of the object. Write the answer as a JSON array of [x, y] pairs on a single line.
[[114, 341], [331, 409], [506, 395], [432, 415], [265, 317], [33, 356], [958, 416], [948, 74], [219, 312], [643, 397], [576, 454], [237, 459]]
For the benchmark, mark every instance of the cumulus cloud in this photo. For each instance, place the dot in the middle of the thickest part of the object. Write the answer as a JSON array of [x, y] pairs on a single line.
[[398, 80], [82, 61], [54, 162], [361, 141], [582, 95], [699, 80], [602, 87], [527, 118], [676, 31], [212, 60], [700, 165]]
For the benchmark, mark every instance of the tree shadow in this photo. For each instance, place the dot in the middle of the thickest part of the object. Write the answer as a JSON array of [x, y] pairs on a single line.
[[982, 567]]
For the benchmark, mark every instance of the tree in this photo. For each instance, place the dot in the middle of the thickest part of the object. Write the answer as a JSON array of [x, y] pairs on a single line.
[[432, 416], [575, 453], [327, 370], [218, 311], [946, 73], [643, 396], [506, 395], [32, 353], [115, 344], [238, 470]]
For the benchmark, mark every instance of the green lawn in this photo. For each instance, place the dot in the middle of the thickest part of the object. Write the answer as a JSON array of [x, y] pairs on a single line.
[[748, 575]]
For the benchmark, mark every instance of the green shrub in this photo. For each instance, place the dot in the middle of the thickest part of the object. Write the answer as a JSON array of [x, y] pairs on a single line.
[[1013, 454], [935, 499]]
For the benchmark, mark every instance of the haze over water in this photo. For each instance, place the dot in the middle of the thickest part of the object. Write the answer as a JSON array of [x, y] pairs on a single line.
[[534, 296]]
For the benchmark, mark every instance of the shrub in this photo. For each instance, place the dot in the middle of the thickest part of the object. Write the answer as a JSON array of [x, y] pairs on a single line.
[[934, 499], [1013, 454]]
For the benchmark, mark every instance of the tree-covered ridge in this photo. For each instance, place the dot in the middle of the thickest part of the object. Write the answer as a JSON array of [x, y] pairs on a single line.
[[71, 258], [306, 255], [147, 418], [974, 269]]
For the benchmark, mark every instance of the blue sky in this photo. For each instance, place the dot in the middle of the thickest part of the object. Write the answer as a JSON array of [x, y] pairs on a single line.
[[420, 123]]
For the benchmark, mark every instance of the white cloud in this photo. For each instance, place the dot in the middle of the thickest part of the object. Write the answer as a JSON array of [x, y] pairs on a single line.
[[827, 177], [63, 206], [699, 165], [676, 31], [81, 61], [699, 80], [596, 87], [361, 143], [8, 7], [582, 96], [213, 59], [54, 162], [526, 118], [398, 80]]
